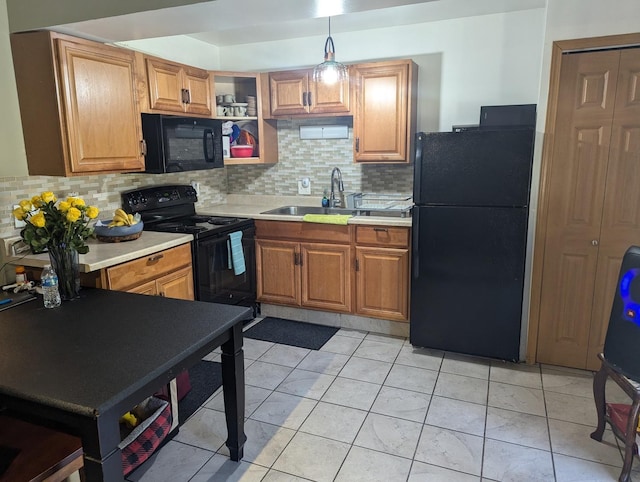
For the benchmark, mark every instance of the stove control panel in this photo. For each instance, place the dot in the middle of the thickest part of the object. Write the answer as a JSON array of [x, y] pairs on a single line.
[[157, 197]]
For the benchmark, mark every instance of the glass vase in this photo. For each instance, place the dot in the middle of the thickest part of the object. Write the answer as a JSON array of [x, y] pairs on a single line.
[[64, 260]]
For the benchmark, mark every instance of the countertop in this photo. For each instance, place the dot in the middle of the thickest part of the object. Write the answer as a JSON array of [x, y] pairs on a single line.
[[102, 255], [252, 206]]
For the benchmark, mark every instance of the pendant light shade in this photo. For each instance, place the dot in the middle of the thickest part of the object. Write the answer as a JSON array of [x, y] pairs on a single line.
[[329, 71]]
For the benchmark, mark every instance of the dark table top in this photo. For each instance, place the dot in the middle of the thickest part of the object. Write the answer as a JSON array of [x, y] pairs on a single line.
[[90, 354]]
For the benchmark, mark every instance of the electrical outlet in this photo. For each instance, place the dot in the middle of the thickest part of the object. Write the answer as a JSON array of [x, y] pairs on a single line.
[[304, 186], [16, 222]]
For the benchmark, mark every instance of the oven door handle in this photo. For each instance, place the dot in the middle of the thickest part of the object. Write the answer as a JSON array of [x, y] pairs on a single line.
[[207, 133]]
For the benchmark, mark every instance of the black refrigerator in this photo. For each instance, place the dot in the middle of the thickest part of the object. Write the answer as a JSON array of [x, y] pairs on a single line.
[[471, 196]]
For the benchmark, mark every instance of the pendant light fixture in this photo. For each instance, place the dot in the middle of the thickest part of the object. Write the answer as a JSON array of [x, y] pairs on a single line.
[[329, 71]]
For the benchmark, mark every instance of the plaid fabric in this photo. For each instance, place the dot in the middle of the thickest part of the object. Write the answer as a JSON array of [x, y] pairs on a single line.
[[619, 415], [139, 446]]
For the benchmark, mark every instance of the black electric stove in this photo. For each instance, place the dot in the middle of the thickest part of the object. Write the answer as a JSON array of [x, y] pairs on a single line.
[[171, 209]]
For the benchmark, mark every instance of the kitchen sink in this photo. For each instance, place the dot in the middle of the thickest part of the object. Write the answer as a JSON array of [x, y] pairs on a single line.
[[302, 210]]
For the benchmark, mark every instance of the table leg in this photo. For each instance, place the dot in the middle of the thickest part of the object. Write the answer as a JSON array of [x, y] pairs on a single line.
[[102, 458], [233, 392]]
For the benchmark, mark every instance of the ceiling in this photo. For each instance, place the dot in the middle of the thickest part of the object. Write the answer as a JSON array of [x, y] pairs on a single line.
[[232, 22]]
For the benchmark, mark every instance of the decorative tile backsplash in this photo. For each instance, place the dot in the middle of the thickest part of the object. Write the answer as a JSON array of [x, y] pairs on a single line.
[[102, 191], [298, 158], [316, 159]]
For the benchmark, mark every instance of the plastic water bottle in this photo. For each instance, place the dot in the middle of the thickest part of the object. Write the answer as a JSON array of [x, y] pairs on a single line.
[[49, 280]]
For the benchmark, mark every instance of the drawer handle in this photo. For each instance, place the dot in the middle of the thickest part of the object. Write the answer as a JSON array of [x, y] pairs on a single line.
[[156, 257], [381, 230]]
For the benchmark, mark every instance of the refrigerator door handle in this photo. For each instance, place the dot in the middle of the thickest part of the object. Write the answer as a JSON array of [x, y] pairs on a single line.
[[415, 243], [417, 168]]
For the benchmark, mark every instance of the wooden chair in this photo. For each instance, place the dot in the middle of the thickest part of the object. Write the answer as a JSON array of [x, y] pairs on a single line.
[[623, 419], [42, 454]]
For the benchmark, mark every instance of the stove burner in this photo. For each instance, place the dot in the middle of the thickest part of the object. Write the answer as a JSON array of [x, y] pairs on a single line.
[[200, 218], [178, 227], [221, 221]]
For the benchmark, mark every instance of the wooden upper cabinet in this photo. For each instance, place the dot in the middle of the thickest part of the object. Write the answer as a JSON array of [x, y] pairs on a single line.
[[384, 115], [177, 88], [294, 92], [78, 105]]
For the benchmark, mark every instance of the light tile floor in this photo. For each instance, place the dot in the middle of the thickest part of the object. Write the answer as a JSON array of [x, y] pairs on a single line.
[[367, 407]]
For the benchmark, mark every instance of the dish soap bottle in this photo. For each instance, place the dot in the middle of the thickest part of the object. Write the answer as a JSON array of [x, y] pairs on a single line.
[[50, 292], [325, 199]]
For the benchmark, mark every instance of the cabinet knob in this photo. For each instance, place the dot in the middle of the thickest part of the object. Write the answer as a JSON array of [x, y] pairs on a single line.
[[304, 99], [357, 144], [309, 101], [594, 242]]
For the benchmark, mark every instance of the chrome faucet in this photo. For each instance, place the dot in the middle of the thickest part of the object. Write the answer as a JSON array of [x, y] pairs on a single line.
[[336, 175]]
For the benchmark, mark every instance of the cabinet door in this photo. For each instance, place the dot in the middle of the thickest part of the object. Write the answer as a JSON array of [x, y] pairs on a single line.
[[277, 272], [382, 95], [103, 125], [148, 288], [198, 86], [328, 98], [178, 284], [382, 280], [289, 92], [165, 85], [326, 276]]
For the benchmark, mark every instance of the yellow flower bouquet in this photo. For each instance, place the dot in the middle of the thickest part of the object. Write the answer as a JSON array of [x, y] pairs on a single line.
[[62, 228]]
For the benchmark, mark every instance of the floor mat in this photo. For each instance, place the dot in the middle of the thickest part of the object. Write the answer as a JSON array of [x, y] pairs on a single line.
[[206, 378], [289, 332]]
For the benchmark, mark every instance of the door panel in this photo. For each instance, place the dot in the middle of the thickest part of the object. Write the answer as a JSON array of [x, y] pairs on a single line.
[[104, 131], [621, 215], [326, 276], [278, 277], [468, 271], [177, 285], [382, 282], [576, 196], [594, 201]]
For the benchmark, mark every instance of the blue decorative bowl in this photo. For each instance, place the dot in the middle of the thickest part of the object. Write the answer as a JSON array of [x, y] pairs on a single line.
[[118, 233]]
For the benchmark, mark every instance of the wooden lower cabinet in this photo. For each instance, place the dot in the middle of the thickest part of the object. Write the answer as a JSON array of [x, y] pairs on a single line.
[[345, 269], [166, 273], [277, 272], [311, 275], [382, 280], [326, 276], [382, 272]]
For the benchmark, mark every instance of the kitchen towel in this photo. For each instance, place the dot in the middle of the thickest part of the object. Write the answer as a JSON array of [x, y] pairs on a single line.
[[236, 255], [327, 218]]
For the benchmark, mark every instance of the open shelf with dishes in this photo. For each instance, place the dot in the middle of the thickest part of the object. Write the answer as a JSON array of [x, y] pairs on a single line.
[[240, 93]]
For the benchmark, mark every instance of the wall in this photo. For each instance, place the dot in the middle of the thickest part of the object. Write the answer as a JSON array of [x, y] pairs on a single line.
[[13, 160], [469, 62]]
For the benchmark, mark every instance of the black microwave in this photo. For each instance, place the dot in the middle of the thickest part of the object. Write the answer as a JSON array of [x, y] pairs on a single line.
[[178, 143]]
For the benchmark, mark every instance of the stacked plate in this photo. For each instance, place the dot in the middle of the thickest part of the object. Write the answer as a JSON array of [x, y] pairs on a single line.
[[251, 106]]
